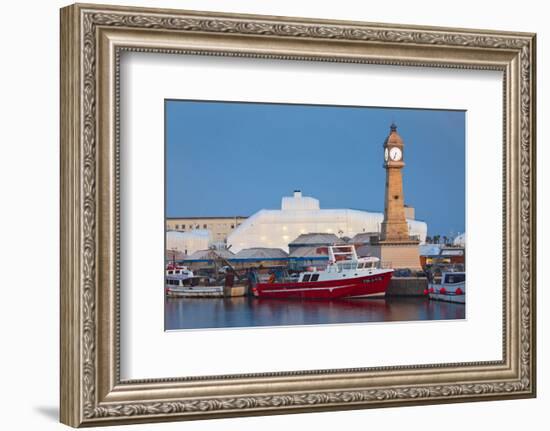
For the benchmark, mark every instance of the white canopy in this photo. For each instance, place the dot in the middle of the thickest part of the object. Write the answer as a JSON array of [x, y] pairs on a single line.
[[278, 228]]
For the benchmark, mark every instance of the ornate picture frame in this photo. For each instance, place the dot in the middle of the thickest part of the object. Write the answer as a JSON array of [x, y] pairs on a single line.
[[92, 38]]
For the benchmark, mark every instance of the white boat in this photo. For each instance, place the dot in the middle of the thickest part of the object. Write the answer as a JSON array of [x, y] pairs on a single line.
[[451, 288], [179, 286], [199, 287]]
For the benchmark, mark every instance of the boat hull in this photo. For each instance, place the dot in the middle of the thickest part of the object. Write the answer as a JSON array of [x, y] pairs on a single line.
[[459, 299], [205, 292], [198, 291], [366, 286], [448, 292]]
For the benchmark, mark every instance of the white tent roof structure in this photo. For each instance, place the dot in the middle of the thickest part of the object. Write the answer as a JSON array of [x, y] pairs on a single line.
[[301, 215], [460, 240]]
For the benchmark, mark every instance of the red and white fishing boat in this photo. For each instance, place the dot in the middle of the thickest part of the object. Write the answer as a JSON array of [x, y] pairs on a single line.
[[346, 276]]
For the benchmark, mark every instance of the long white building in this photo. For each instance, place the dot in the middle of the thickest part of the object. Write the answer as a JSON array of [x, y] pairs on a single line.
[[188, 242], [301, 214]]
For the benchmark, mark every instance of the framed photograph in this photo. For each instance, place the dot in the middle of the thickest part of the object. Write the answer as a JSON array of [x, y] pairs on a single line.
[[265, 215]]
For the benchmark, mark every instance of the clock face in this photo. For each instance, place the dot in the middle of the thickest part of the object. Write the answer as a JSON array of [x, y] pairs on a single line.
[[386, 154], [395, 154]]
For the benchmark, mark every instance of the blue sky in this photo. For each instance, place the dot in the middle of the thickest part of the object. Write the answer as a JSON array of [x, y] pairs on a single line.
[[226, 159]]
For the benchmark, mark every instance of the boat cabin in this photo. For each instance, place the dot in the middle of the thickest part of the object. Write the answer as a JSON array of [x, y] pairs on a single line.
[[453, 277], [187, 282], [343, 261], [177, 272]]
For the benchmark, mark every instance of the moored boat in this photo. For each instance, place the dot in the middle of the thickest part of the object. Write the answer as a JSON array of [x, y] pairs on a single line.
[[346, 276], [451, 288], [179, 286], [199, 287]]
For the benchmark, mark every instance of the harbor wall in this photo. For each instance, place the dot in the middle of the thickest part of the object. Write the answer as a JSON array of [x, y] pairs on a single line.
[[407, 286]]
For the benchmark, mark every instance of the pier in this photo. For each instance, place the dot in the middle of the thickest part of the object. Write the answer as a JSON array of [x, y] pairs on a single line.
[[407, 286]]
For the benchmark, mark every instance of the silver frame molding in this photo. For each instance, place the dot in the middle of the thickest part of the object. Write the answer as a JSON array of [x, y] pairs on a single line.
[[92, 39]]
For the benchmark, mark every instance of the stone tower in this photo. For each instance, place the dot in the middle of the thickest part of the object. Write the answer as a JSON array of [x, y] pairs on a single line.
[[394, 247], [394, 227]]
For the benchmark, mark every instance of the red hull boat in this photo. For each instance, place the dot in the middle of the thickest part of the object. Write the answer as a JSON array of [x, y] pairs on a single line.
[[346, 276]]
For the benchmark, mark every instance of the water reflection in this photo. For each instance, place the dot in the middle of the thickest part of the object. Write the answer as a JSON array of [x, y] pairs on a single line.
[[194, 313]]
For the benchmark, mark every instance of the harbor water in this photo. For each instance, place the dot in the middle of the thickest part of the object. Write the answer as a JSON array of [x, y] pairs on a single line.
[[241, 312]]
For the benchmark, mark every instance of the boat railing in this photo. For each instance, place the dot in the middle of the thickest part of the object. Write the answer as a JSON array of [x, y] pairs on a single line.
[[341, 253]]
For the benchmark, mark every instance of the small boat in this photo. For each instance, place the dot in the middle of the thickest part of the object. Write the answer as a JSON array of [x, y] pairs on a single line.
[[199, 287], [179, 286], [451, 288], [346, 276]]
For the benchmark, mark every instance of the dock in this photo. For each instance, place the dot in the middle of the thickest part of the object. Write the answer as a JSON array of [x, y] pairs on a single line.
[[407, 286]]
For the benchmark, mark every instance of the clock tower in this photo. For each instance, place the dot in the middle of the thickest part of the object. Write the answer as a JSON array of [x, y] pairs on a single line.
[[394, 246], [394, 227]]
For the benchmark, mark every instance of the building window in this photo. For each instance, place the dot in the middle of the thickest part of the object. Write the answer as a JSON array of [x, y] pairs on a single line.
[[177, 226], [204, 226], [183, 226], [232, 226]]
